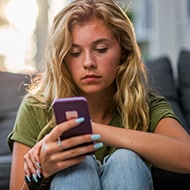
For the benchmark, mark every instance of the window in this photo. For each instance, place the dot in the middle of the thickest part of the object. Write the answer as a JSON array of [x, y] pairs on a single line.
[[23, 30], [17, 25]]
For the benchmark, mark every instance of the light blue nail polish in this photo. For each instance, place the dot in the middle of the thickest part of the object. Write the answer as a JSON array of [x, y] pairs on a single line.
[[38, 165], [28, 178], [95, 137], [38, 173], [34, 178], [98, 145], [79, 120]]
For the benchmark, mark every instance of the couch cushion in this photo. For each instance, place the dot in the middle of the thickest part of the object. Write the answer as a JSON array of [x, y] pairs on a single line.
[[162, 80], [12, 89], [5, 167], [184, 81], [161, 77]]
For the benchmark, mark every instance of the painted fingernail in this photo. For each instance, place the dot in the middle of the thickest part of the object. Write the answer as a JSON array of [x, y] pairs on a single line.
[[28, 178], [98, 145], [95, 137], [34, 178], [38, 165], [79, 120], [38, 173]]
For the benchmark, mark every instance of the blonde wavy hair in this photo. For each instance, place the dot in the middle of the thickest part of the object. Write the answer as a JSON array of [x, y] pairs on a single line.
[[131, 79]]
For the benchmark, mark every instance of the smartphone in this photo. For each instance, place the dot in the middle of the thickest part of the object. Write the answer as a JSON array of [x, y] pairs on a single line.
[[69, 108]]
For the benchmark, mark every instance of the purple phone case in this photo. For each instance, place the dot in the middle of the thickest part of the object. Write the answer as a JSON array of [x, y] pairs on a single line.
[[73, 107]]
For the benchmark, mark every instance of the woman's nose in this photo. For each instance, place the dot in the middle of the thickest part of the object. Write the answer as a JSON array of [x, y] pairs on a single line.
[[89, 61]]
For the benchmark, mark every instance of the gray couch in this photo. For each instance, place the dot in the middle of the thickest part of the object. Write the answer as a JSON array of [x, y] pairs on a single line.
[[11, 91], [161, 77], [177, 92]]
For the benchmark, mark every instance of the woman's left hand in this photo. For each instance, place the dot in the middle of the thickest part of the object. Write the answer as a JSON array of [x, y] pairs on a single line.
[[52, 154], [32, 162]]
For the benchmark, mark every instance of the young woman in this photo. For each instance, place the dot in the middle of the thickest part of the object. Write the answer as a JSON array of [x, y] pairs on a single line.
[[92, 52]]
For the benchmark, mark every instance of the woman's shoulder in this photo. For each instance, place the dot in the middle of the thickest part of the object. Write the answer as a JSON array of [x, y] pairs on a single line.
[[153, 96], [159, 108], [158, 103], [34, 101], [34, 105]]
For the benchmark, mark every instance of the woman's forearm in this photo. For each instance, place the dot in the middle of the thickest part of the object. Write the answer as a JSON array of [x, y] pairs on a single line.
[[160, 150]]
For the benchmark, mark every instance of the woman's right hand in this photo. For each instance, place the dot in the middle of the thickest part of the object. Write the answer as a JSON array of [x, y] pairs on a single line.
[[51, 154]]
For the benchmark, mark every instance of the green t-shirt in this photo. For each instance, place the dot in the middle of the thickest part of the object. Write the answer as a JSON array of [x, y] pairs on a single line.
[[31, 119]]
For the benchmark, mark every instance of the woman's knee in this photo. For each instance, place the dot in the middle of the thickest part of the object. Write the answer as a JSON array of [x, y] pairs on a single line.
[[133, 171], [81, 176], [127, 160], [124, 157]]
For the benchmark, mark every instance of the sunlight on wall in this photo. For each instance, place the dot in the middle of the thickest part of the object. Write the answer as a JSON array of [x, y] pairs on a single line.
[[16, 38], [55, 7]]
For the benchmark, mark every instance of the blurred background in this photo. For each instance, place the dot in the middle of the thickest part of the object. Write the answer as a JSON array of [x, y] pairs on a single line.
[[162, 28]]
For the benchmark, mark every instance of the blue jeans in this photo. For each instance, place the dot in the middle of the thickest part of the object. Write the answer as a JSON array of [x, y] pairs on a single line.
[[122, 170]]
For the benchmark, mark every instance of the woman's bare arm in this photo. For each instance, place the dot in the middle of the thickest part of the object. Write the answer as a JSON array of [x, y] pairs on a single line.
[[17, 167], [167, 148]]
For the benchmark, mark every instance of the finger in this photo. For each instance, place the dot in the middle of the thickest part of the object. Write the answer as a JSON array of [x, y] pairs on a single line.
[[61, 128], [61, 145], [76, 152], [27, 173], [29, 165], [35, 154], [77, 141], [27, 170], [31, 160], [68, 163]]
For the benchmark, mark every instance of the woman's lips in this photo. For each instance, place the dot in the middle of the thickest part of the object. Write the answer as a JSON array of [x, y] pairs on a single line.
[[90, 78]]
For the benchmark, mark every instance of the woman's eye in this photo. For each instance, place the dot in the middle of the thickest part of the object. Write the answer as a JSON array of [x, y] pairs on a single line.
[[75, 54], [101, 50]]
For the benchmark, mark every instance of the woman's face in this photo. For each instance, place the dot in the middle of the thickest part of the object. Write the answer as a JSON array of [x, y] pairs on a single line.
[[94, 57]]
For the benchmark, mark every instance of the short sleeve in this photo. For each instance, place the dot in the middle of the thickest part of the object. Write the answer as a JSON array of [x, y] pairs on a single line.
[[159, 108], [30, 120]]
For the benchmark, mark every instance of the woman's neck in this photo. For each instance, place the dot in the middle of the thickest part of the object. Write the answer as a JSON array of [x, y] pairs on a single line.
[[101, 108], [101, 104]]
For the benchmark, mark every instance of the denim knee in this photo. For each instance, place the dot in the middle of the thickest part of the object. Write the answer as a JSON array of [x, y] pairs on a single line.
[[124, 169], [83, 176]]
